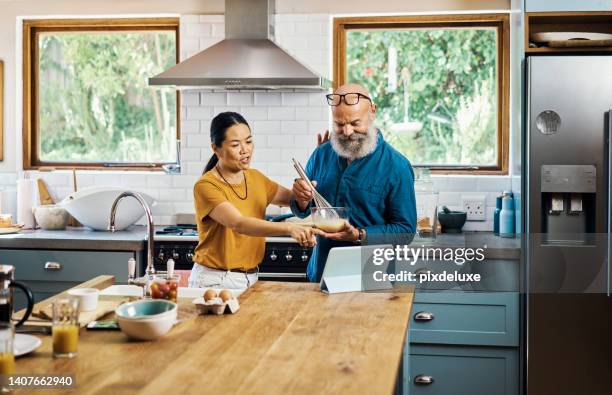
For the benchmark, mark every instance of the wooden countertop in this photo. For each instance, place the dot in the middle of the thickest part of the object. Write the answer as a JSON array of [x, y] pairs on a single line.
[[286, 338]]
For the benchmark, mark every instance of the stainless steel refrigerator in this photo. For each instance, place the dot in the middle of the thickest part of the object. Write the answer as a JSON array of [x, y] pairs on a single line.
[[568, 309]]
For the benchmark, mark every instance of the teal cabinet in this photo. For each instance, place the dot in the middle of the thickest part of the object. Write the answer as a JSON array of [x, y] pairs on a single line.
[[463, 343], [476, 318], [443, 370], [567, 5], [48, 272]]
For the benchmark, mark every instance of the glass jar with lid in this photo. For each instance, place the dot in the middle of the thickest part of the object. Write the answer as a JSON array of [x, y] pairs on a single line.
[[426, 203]]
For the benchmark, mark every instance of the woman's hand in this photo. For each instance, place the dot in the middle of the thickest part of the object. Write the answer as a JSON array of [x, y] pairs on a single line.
[[304, 235]]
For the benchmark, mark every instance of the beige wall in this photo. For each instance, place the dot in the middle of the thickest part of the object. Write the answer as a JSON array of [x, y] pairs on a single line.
[[10, 10]]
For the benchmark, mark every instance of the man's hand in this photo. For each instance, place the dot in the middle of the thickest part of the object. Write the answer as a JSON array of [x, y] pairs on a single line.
[[302, 192], [349, 233], [324, 138]]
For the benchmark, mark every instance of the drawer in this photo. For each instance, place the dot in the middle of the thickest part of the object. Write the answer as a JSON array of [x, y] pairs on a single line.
[[468, 318], [462, 371], [74, 266]]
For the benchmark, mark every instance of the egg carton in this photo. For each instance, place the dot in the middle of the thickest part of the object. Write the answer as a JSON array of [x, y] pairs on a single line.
[[217, 306]]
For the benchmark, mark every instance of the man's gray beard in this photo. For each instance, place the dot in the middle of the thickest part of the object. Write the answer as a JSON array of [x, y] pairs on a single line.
[[356, 145]]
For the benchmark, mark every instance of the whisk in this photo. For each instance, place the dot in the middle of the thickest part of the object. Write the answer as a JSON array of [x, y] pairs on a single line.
[[319, 200]]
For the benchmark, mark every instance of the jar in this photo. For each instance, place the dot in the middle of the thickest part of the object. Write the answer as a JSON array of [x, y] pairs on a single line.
[[426, 204]]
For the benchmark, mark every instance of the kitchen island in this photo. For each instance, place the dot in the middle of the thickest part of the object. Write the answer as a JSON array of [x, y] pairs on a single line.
[[286, 338]]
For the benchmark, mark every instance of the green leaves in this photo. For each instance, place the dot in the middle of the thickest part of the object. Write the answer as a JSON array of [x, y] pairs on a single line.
[[95, 103], [455, 67]]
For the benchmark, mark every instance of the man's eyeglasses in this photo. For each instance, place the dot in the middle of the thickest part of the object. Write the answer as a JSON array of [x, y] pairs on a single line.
[[350, 99]]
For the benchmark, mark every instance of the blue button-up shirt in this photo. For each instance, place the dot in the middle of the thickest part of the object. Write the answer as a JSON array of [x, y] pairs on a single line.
[[378, 189]]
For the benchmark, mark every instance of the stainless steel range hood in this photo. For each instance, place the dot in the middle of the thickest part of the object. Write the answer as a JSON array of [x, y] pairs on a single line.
[[246, 59]]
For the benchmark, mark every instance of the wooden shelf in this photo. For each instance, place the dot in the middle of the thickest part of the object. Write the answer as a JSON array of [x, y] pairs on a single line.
[[592, 22]]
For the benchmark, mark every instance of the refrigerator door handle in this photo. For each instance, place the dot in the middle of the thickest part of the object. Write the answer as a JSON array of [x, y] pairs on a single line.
[[609, 208]]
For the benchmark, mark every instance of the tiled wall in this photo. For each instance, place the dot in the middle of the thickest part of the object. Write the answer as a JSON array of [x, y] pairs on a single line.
[[284, 125]]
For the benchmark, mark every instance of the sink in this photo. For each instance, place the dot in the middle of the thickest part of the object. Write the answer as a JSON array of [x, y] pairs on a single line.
[[90, 206]]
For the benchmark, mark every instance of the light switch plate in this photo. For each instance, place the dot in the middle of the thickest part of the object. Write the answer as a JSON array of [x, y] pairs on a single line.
[[475, 207]]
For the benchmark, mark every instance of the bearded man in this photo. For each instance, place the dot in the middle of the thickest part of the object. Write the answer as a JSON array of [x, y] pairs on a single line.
[[357, 169]]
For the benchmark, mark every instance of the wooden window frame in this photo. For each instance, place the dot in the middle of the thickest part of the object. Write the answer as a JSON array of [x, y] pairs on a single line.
[[498, 21], [1, 110], [31, 31]]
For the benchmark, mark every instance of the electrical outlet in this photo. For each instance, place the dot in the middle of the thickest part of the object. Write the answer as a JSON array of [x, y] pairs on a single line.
[[475, 207]]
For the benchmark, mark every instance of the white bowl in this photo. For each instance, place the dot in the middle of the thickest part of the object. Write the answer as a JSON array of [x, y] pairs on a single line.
[[137, 323], [51, 216], [88, 298], [92, 207]]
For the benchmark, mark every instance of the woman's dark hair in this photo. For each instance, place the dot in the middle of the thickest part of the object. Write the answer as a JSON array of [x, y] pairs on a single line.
[[218, 130]]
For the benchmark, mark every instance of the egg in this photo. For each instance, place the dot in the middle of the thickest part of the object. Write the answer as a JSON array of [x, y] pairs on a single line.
[[225, 295], [209, 294]]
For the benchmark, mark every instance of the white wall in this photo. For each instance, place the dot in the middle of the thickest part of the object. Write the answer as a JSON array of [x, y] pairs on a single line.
[[285, 124]]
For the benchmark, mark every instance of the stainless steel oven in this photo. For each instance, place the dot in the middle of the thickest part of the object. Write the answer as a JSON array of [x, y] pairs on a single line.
[[284, 259]]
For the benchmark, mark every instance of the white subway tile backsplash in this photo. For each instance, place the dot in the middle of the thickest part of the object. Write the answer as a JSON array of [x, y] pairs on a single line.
[[211, 18], [190, 99], [449, 199], [162, 208], [265, 126], [300, 154], [190, 126], [305, 141], [159, 180], [294, 127], [172, 194], [107, 179], [317, 99], [267, 99], [184, 181], [190, 154], [190, 19], [190, 44], [240, 98], [199, 112], [198, 140], [213, 98], [493, 184], [280, 140], [218, 30], [295, 99], [254, 113], [134, 180], [282, 113], [312, 113], [293, 44], [219, 109], [318, 126], [267, 155], [197, 29], [184, 207]]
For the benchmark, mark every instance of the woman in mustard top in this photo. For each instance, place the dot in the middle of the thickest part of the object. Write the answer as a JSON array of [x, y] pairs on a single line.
[[230, 204]]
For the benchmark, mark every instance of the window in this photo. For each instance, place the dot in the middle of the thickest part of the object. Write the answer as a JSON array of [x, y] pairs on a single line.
[[87, 102], [440, 84]]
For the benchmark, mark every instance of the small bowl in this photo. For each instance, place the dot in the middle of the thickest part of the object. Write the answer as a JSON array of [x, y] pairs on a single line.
[[51, 217], [146, 319], [452, 221], [88, 298]]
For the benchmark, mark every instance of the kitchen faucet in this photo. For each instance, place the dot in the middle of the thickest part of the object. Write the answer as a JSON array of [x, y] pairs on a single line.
[[150, 270]]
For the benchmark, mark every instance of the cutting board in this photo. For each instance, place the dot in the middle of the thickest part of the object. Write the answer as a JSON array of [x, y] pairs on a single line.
[[85, 317]]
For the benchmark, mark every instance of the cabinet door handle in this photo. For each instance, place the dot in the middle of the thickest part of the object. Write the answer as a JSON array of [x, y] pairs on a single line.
[[423, 316], [423, 379], [53, 266]]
